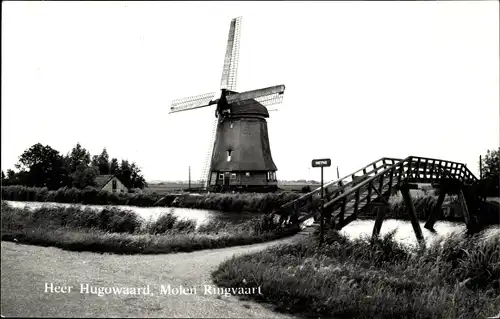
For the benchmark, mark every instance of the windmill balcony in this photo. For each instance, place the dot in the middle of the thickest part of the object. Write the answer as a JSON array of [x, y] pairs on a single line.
[[236, 180]]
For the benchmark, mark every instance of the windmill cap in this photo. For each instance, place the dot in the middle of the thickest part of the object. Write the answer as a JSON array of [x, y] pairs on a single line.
[[249, 107]]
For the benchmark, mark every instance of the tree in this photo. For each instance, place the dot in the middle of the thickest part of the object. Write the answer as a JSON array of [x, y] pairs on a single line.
[[137, 180], [11, 175], [113, 166], [94, 162], [125, 173], [3, 178], [66, 179], [78, 156], [40, 166], [490, 172], [491, 164], [103, 162], [84, 176], [11, 178], [130, 175]]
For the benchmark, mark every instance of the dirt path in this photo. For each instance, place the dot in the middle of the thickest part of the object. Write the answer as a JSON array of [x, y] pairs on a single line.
[[26, 270]]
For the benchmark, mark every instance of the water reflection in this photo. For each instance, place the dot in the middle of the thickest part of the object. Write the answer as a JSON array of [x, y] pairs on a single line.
[[201, 216], [359, 228]]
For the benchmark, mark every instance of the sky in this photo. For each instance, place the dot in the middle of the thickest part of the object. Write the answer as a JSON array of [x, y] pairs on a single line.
[[364, 80]]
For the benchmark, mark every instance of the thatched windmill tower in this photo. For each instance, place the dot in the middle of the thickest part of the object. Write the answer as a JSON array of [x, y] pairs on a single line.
[[239, 155]]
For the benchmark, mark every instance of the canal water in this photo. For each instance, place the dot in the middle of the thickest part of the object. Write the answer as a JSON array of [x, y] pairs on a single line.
[[359, 228], [201, 216]]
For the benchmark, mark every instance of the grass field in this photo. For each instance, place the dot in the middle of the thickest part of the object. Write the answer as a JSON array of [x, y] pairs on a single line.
[[454, 278], [167, 187]]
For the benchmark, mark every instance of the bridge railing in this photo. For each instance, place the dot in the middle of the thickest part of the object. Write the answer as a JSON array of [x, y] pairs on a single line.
[[355, 199], [429, 170], [336, 187], [387, 181]]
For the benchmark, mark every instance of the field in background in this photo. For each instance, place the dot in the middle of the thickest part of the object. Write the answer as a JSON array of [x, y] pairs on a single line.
[[166, 187]]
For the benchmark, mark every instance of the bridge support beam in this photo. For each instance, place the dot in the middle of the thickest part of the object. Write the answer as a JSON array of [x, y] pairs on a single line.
[[381, 210], [413, 216], [429, 224], [463, 205], [329, 221]]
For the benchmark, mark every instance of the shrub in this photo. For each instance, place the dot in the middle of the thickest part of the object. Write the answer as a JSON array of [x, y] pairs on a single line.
[[163, 224], [238, 202], [108, 219], [122, 231], [185, 225], [89, 195], [306, 189]]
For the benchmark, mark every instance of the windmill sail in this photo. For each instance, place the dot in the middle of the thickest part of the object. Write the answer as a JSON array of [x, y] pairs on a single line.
[[205, 173], [228, 81], [269, 95], [266, 96], [192, 102], [270, 99], [230, 69]]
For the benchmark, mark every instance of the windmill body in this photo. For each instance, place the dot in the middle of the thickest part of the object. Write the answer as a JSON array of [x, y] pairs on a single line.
[[239, 154]]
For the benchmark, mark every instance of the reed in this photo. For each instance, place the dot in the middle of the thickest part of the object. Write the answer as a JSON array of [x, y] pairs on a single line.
[[455, 277], [228, 202], [123, 232]]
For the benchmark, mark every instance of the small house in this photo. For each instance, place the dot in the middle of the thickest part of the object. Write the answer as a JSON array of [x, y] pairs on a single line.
[[110, 183]]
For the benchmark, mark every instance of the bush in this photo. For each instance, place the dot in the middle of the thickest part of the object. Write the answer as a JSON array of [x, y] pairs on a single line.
[[48, 217], [185, 226], [89, 196], [122, 231], [238, 202], [163, 224]]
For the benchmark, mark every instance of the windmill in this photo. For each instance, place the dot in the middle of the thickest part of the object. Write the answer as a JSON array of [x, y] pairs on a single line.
[[239, 155]]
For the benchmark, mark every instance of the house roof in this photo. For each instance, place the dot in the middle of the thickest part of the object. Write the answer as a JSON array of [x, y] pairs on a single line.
[[102, 180]]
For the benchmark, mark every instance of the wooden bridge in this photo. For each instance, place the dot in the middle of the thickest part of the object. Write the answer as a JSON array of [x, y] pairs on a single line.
[[372, 185]]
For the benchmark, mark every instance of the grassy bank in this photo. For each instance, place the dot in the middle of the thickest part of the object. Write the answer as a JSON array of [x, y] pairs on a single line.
[[123, 232], [238, 202], [358, 279], [89, 196], [227, 202]]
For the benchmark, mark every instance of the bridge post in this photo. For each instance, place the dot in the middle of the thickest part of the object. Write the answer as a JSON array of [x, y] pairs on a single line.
[[342, 214], [322, 212], [463, 205], [429, 224], [381, 209], [405, 191]]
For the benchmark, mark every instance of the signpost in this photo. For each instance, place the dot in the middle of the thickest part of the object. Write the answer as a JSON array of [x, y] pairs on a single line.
[[323, 162]]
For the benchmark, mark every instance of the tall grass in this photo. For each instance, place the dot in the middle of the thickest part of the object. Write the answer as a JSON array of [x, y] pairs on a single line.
[[345, 278], [237, 202], [424, 205], [123, 232], [88, 195], [109, 219]]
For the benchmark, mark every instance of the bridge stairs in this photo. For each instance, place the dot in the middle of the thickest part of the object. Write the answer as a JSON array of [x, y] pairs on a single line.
[[369, 189]]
